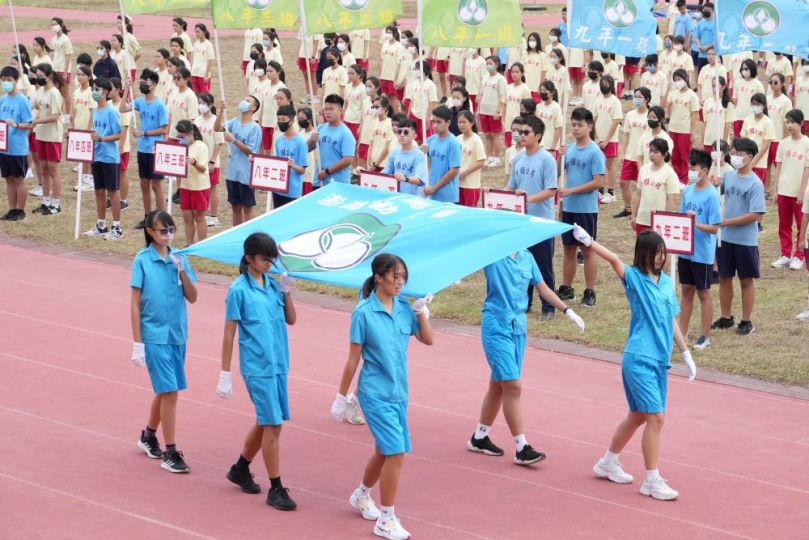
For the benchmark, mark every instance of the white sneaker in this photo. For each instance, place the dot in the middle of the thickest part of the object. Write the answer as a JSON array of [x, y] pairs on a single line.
[[29, 174], [97, 231], [658, 489], [365, 505], [76, 168], [803, 315], [391, 528], [702, 343], [576, 100], [212, 221], [353, 412], [36, 192], [795, 264], [612, 471], [84, 186], [608, 198], [782, 261]]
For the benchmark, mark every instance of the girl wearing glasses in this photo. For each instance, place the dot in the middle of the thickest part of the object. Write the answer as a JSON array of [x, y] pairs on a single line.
[[161, 283], [183, 103]]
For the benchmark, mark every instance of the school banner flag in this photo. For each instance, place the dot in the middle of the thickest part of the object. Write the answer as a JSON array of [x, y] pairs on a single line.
[[472, 23], [324, 16], [333, 234], [136, 7], [625, 27], [239, 14], [763, 25]]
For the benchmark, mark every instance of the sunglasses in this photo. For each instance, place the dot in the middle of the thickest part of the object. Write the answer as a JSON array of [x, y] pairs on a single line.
[[774, 83], [403, 132], [165, 231], [525, 132]]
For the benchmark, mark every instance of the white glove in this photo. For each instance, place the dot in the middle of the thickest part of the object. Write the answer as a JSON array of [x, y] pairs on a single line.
[[139, 354], [338, 408], [578, 321], [692, 367], [420, 305], [285, 281], [225, 387], [178, 262], [581, 235]]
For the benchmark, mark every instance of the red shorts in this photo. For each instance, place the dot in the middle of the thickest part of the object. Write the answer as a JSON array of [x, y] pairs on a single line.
[[701, 117], [49, 151], [33, 143], [432, 63], [312, 64], [195, 200], [406, 106], [640, 228], [474, 101], [124, 161], [244, 66], [707, 148], [761, 173], [630, 68], [214, 176], [535, 97], [451, 79], [509, 77], [442, 66], [611, 150], [629, 171], [469, 197], [363, 63], [737, 128], [400, 93], [507, 138], [134, 74], [307, 188], [67, 77], [619, 88], [773, 152], [362, 152], [420, 126], [806, 126], [266, 137], [354, 128], [575, 72], [200, 85], [489, 125], [387, 87]]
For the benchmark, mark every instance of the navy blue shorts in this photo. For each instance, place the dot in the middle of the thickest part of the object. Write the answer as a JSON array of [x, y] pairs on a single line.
[[240, 194], [13, 166], [146, 167], [738, 260], [279, 200], [105, 176], [588, 222], [694, 273]]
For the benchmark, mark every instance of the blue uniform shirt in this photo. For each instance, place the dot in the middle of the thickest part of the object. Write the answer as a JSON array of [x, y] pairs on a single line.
[[582, 164], [506, 283], [654, 306], [18, 110], [705, 204], [693, 29], [682, 24], [562, 26], [296, 149], [107, 122], [445, 154], [743, 194], [238, 169], [706, 32], [533, 174], [259, 312], [163, 314], [153, 116], [384, 338], [412, 164], [335, 144]]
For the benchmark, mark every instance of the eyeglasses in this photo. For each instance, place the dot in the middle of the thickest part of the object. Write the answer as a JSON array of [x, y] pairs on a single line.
[[177, 77], [165, 231], [403, 132], [526, 132], [774, 83]]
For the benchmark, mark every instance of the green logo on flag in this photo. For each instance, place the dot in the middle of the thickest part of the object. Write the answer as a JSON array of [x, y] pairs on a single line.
[[353, 5], [473, 12], [761, 18], [620, 13], [258, 4], [345, 244]]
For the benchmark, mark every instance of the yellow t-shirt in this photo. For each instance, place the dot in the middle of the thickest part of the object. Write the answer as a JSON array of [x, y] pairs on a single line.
[[126, 124], [611, 68], [575, 58], [644, 141], [474, 74], [682, 61], [269, 107], [120, 59], [658, 85], [782, 66], [708, 74], [551, 46], [551, 115], [802, 94], [45, 59], [607, 110], [710, 111], [683, 105], [61, 48], [514, 95], [309, 173], [671, 16], [391, 51], [414, 92], [742, 91], [792, 155], [356, 103], [366, 130], [83, 105], [211, 138], [560, 78], [182, 106], [472, 151], [635, 125], [334, 80], [535, 65], [164, 84], [492, 94], [188, 45], [203, 52], [777, 109], [664, 62], [406, 64], [442, 53], [258, 88], [511, 153], [457, 57], [273, 55], [197, 181], [590, 92], [806, 211], [358, 40], [761, 132], [654, 187], [48, 103], [251, 37], [132, 45], [381, 135]]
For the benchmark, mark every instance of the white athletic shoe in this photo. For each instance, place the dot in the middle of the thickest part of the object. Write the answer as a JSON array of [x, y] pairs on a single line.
[[76, 168], [782, 262], [576, 100], [85, 186], [212, 221], [353, 412], [803, 315], [612, 471], [608, 198], [36, 192], [658, 489], [795, 264], [365, 505], [391, 528]]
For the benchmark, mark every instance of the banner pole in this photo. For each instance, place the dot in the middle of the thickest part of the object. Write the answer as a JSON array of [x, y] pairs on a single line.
[[125, 77], [425, 113], [719, 126], [304, 36], [221, 78], [78, 203], [16, 39]]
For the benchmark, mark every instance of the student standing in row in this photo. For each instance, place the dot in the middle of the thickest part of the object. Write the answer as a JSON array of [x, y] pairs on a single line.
[[292, 146], [337, 145], [443, 159], [15, 111], [407, 164], [195, 193], [244, 136]]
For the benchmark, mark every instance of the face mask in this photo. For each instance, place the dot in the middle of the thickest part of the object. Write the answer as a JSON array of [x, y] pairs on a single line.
[[388, 37], [202, 108], [654, 124], [411, 50], [182, 138], [457, 102], [96, 95], [245, 106], [376, 111], [329, 62], [693, 177], [283, 126], [471, 52], [667, 45], [637, 102], [532, 44], [8, 87], [745, 73], [515, 136], [403, 41], [737, 162], [303, 122], [592, 75], [553, 39], [341, 47], [651, 69], [368, 91], [144, 88], [714, 156], [756, 109], [258, 72], [33, 81], [679, 83], [697, 16], [678, 47], [253, 56], [100, 52], [543, 96], [525, 114], [553, 61], [490, 68], [805, 69], [328, 43], [605, 90], [266, 44], [42, 81], [707, 14], [56, 28]]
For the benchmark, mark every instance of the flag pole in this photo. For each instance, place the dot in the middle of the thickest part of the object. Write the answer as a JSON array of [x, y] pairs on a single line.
[[424, 104], [305, 38], [125, 77], [221, 78], [717, 103], [16, 39]]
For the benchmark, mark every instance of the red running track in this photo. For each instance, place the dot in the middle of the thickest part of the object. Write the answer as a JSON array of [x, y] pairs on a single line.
[[72, 406]]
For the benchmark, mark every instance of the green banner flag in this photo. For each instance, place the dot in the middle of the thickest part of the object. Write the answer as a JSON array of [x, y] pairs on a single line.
[[478, 23], [278, 14], [136, 7], [323, 16]]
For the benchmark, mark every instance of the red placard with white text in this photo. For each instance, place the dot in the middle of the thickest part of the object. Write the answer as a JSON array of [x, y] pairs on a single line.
[[269, 173], [171, 159], [498, 199], [3, 136], [374, 180], [80, 146], [677, 231]]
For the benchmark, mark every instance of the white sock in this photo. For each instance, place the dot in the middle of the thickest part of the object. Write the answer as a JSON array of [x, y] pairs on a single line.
[[652, 475], [116, 224], [364, 491], [609, 457], [46, 201], [386, 512], [482, 431], [55, 203], [101, 223], [520, 441]]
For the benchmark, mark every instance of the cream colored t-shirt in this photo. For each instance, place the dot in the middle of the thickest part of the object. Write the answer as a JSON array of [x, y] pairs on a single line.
[[457, 57], [708, 74], [535, 65], [590, 92], [777, 109], [761, 132], [381, 135], [514, 95], [475, 67], [197, 181], [211, 138], [511, 153], [83, 105], [635, 126], [654, 187], [683, 105], [472, 151], [802, 94], [658, 85], [607, 110], [391, 51], [415, 94], [203, 52], [334, 80], [251, 37], [551, 115], [792, 155], [61, 48], [163, 84], [182, 106], [742, 91], [682, 61], [355, 103], [358, 40], [269, 109], [710, 111], [492, 94], [48, 103], [646, 139], [733, 63], [560, 78]]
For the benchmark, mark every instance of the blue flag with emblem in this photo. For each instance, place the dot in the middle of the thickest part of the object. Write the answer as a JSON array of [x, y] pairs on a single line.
[[618, 26], [332, 235], [763, 25]]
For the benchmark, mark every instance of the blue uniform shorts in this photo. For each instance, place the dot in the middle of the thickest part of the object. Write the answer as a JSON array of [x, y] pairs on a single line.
[[166, 365], [388, 423], [270, 398], [504, 350], [645, 383]]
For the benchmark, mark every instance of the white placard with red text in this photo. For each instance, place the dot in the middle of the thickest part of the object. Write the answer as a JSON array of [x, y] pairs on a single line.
[[677, 231], [3, 136], [270, 173], [374, 180], [80, 146], [171, 159], [497, 199]]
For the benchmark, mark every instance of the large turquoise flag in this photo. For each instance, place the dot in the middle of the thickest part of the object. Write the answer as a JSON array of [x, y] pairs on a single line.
[[135, 7], [278, 14], [323, 16], [472, 23], [332, 235], [763, 25], [625, 27]]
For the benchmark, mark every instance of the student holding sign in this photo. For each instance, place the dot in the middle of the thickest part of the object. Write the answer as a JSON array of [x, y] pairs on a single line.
[[292, 146], [15, 111], [195, 193], [407, 164]]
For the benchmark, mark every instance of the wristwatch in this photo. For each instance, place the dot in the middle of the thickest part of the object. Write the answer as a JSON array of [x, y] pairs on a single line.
[[326, 170]]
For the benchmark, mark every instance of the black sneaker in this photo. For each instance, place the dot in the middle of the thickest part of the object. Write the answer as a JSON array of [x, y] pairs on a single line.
[[568, 294], [528, 455], [7, 215], [589, 298], [173, 462], [723, 324], [278, 497], [150, 446], [243, 479], [760, 228], [580, 259], [19, 215], [622, 214], [41, 209], [53, 211], [745, 328], [124, 204], [139, 227], [176, 197], [484, 446]]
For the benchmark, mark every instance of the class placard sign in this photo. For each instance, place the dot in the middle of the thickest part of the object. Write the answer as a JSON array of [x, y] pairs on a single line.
[[3, 136], [384, 182], [80, 146], [677, 231], [270, 173], [498, 199], [171, 159]]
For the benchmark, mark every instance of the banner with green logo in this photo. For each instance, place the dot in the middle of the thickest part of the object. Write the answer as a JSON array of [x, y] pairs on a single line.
[[763, 25], [323, 16], [278, 14], [136, 7], [472, 23]]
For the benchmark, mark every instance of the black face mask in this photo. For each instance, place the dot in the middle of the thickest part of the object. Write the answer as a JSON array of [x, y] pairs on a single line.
[[329, 62], [42, 81], [144, 88], [32, 80], [283, 126], [593, 75], [304, 123], [653, 123], [526, 114], [707, 14], [543, 96], [328, 43], [253, 56], [605, 90]]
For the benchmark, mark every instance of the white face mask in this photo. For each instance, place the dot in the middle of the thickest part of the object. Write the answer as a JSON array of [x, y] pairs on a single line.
[[341, 47], [737, 162], [411, 50], [553, 61], [680, 84], [515, 136], [757, 109], [100, 53], [415, 73], [532, 44], [637, 102], [258, 72], [368, 91], [678, 47], [693, 177], [714, 156], [202, 108], [56, 28], [376, 111], [388, 37], [457, 102], [553, 39], [805, 69], [471, 52], [745, 73]]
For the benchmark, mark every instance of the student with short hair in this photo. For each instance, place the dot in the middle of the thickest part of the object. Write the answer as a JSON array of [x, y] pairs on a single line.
[[244, 136], [443, 159], [407, 164], [337, 145], [292, 146], [15, 111]]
